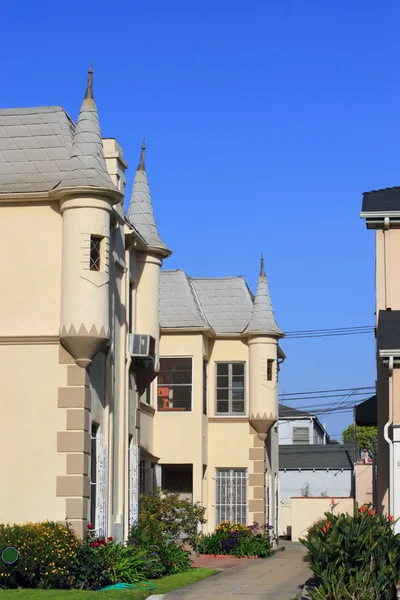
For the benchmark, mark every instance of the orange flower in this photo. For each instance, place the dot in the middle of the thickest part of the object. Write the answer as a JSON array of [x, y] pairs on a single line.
[[324, 529], [328, 524], [363, 509], [390, 518], [372, 512]]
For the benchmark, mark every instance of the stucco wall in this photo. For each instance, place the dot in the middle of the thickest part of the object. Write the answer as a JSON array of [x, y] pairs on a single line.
[[387, 280], [332, 482], [306, 511], [29, 422], [146, 432], [30, 269], [363, 477]]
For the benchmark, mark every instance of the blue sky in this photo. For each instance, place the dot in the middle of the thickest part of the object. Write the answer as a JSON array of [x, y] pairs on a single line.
[[265, 121]]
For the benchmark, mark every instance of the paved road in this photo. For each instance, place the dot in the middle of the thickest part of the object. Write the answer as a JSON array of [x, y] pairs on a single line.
[[280, 577]]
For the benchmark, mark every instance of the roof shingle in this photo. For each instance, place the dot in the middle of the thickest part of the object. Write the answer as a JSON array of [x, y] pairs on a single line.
[[316, 456], [385, 200]]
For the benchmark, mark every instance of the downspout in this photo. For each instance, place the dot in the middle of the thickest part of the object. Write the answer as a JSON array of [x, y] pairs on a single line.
[[386, 435], [109, 378], [385, 251]]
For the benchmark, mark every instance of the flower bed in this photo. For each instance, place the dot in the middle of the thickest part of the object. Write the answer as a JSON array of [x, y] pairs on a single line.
[[235, 539], [354, 557], [51, 556]]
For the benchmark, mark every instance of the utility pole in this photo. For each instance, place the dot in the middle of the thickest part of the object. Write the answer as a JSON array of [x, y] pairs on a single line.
[[355, 434]]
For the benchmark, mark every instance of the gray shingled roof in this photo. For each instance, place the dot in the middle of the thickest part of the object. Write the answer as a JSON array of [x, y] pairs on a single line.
[[385, 200], [88, 165], [285, 412], [227, 303], [42, 149], [389, 330], [179, 306], [224, 304], [262, 317], [140, 211], [35, 146], [316, 456]]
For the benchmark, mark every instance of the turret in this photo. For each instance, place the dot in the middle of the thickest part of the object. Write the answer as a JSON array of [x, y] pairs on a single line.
[[263, 334], [149, 262], [87, 194]]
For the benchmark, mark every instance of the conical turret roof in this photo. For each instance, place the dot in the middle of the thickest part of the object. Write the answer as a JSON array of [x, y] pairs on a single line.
[[88, 165], [140, 211], [262, 319]]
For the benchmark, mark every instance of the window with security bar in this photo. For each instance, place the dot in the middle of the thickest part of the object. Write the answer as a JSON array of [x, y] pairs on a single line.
[[98, 476], [93, 473], [231, 495], [95, 252], [230, 388], [174, 384]]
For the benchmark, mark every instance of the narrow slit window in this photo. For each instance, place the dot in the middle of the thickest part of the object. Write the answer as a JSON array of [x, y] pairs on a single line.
[[95, 252], [270, 366]]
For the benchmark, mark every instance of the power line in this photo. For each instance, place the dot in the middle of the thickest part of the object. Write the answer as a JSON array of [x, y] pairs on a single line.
[[349, 389], [308, 398], [339, 331], [302, 398]]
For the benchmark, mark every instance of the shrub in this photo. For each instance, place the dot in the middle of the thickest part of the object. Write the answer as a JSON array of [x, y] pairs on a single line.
[[237, 540], [47, 554], [354, 557], [168, 514], [100, 562], [165, 557]]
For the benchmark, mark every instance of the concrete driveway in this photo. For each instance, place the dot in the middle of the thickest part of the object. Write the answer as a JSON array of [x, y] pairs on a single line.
[[280, 577]]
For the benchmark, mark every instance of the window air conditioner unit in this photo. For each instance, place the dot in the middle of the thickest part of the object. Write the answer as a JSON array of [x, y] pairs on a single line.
[[142, 346]]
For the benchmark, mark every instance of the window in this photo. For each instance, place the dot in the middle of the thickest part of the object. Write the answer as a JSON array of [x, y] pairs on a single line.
[[93, 474], [95, 252], [133, 482], [270, 367], [230, 388], [174, 386], [98, 477], [301, 435], [131, 288], [231, 495], [205, 363]]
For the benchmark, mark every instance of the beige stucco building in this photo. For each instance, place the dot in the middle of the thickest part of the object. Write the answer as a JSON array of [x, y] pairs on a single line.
[[87, 322], [215, 429], [381, 210]]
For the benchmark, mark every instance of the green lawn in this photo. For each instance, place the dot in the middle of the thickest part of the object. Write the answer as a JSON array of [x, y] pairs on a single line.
[[164, 585]]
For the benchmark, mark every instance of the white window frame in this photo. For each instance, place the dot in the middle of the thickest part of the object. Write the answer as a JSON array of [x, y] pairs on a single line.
[[227, 509], [230, 413], [183, 412], [99, 487], [134, 483]]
